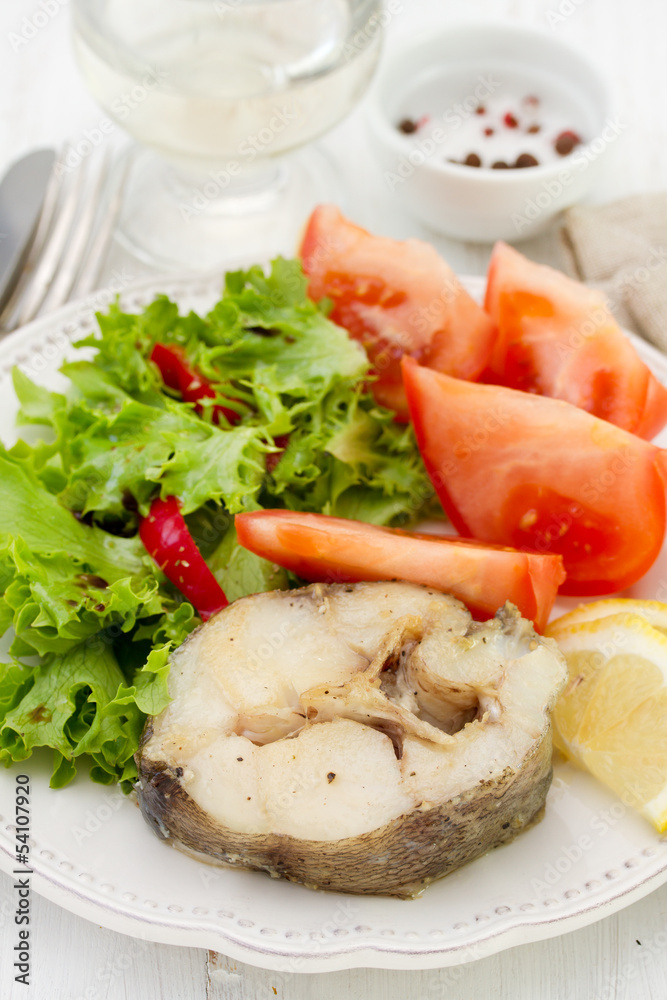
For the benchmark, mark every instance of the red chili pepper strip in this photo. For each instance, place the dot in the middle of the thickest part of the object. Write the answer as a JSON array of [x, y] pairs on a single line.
[[168, 541], [178, 374]]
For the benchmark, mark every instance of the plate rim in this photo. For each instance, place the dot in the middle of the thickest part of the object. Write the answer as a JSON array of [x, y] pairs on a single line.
[[75, 319], [341, 957]]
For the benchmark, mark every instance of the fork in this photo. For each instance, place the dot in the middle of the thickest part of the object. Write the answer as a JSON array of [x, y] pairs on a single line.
[[77, 221]]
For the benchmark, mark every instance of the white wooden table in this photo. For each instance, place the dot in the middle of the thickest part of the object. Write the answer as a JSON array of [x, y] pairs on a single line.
[[42, 102]]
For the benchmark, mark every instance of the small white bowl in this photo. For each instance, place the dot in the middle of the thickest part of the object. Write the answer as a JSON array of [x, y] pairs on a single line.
[[483, 204]]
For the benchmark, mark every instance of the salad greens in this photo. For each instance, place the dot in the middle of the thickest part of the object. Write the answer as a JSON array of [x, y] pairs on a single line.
[[93, 618]]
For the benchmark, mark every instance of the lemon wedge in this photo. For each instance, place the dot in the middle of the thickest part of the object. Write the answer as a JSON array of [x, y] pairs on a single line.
[[612, 716], [655, 612]]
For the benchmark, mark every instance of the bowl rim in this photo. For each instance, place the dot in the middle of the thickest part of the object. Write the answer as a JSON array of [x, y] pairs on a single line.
[[390, 136]]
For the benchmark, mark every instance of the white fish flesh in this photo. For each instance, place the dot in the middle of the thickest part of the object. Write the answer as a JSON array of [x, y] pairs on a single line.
[[363, 738]]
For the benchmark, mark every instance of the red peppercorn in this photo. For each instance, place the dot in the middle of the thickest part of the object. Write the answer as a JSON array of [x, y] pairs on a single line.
[[510, 120], [566, 142]]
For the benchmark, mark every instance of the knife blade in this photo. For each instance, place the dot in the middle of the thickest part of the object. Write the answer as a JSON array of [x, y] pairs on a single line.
[[22, 193]]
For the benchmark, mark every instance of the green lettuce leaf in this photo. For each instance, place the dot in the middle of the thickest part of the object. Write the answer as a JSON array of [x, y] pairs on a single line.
[[76, 704], [78, 588], [29, 512]]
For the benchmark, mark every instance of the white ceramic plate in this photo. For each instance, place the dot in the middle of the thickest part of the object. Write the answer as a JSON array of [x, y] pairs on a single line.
[[93, 854]]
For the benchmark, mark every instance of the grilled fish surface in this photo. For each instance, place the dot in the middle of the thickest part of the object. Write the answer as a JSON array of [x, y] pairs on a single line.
[[363, 738]]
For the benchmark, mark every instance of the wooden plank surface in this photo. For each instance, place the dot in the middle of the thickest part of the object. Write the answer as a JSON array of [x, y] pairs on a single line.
[[624, 957], [77, 960]]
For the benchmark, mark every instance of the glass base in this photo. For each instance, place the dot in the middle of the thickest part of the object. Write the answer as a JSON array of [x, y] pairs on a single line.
[[172, 220]]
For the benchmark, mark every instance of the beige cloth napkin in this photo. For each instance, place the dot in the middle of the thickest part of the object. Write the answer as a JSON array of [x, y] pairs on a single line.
[[622, 249]]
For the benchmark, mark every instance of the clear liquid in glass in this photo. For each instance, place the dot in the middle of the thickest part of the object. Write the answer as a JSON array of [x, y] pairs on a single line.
[[205, 83]]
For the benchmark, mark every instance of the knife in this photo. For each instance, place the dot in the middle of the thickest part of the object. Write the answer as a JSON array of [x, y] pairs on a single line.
[[22, 194]]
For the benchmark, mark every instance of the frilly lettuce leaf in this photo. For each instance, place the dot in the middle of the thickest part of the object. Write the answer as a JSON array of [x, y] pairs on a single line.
[[79, 703], [78, 588]]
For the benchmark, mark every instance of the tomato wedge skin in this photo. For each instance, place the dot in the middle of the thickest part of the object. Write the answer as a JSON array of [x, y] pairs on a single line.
[[320, 548], [170, 544], [532, 472], [557, 337], [654, 415], [394, 297]]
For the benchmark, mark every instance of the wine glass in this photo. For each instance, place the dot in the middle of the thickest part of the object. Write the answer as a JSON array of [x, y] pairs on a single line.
[[224, 96]]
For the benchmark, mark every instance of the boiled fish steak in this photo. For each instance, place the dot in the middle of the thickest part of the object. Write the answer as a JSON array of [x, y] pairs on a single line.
[[363, 738]]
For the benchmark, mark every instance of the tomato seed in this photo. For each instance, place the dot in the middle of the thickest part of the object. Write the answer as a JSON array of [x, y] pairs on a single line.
[[510, 120], [533, 129], [488, 131], [472, 160], [500, 165]]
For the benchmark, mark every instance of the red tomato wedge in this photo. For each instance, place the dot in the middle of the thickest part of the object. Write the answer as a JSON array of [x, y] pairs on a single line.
[[334, 549], [538, 473], [395, 298], [558, 338]]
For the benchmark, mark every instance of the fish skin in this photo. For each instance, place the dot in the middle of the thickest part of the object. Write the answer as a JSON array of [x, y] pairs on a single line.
[[399, 857]]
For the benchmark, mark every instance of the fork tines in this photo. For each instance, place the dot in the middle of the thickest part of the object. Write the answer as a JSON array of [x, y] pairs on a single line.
[[75, 227]]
